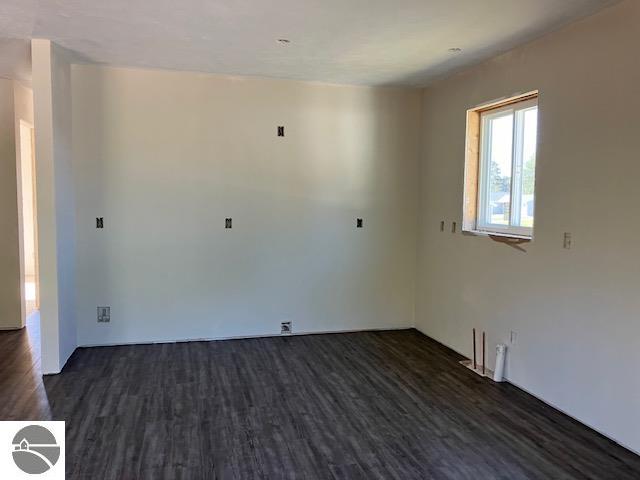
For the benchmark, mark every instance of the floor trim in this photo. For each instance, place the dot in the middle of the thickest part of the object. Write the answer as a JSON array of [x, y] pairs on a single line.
[[244, 337], [546, 402]]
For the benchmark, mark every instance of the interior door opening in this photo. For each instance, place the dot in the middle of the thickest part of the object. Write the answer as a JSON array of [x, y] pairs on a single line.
[[29, 224]]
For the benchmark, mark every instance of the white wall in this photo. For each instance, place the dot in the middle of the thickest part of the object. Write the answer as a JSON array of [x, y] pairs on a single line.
[[15, 106], [55, 203], [10, 300], [575, 311], [164, 157]]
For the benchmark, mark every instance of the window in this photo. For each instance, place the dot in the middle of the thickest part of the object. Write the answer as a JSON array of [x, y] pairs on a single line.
[[500, 167]]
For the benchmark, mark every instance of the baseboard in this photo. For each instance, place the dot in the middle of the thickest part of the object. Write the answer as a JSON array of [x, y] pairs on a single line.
[[10, 329], [564, 412], [67, 359], [546, 402], [62, 366], [243, 337]]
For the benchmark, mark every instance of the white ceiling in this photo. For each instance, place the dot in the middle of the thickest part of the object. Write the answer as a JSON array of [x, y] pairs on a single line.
[[375, 42], [15, 60]]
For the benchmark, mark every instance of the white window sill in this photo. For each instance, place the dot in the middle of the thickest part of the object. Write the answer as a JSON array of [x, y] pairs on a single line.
[[484, 233]]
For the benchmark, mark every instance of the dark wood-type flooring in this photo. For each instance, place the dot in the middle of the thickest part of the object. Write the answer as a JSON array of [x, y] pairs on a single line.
[[370, 405]]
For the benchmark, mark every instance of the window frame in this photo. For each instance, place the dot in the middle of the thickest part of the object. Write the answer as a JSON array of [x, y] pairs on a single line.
[[475, 197]]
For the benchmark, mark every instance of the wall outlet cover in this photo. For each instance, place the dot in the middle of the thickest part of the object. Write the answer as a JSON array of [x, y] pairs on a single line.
[[104, 314]]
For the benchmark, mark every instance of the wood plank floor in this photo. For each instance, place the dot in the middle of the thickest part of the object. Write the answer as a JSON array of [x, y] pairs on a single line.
[[370, 405]]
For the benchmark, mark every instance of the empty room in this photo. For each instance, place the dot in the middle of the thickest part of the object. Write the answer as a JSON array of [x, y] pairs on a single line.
[[319, 239]]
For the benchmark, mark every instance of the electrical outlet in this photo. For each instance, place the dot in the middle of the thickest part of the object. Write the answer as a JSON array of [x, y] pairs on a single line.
[[104, 314], [454, 227], [281, 131], [442, 226], [358, 223], [285, 328], [567, 240], [228, 223], [99, 222], [513, 338]]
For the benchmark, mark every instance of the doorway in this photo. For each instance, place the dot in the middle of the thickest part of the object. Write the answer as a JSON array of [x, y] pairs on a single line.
[[31, 290]]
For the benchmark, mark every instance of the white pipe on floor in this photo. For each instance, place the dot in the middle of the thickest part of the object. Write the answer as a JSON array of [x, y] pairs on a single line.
[[498, 374]]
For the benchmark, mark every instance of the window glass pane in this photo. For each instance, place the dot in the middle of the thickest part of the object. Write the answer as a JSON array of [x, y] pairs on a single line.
[[498, 154], [529, 142]]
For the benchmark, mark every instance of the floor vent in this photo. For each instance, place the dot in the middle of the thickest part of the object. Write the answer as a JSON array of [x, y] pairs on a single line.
[[285, 328]]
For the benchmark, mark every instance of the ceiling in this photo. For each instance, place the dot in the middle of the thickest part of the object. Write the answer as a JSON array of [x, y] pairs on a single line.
[[15, 60], [371, 42]]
